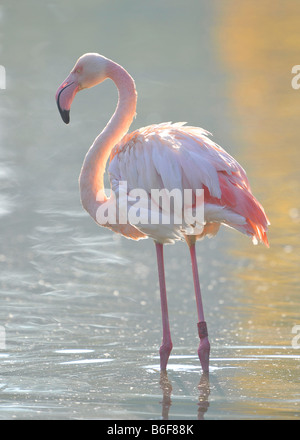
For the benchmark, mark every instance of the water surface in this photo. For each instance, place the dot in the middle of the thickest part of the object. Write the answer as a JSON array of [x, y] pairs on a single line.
[[80, 310]]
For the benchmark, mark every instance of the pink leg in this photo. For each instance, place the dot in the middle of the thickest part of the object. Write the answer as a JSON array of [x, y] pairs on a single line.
[[167, 345], [204, 347]]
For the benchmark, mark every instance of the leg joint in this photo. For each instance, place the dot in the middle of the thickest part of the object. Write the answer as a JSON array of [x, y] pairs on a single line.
[[202, 329]]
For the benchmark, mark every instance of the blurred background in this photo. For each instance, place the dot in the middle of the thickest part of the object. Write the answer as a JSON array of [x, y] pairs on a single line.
[[80, 309]]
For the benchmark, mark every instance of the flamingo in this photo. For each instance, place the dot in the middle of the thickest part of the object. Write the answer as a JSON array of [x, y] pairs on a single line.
[[170, 155]]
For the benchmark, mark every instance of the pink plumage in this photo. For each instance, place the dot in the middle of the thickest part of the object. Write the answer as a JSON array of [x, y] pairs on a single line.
[[169, 156], [228, 197]]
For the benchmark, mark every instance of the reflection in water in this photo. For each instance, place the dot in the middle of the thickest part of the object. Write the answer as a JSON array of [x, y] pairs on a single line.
[[204, 392], [259, 44], [166, 388], [265, 108]]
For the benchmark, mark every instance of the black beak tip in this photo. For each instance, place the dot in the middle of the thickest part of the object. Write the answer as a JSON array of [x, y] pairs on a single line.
[[65, 115]]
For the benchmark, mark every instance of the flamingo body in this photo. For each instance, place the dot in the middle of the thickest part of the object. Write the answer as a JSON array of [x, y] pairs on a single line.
[[178, 156], [164, 156]]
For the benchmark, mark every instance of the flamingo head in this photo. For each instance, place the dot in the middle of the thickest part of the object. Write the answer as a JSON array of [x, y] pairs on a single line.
[[89, 70]]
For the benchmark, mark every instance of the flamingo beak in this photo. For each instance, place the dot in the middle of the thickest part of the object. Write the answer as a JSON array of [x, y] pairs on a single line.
[[64, 97]]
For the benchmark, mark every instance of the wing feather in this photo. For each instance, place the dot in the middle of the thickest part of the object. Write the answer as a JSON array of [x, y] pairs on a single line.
[[179, 156]]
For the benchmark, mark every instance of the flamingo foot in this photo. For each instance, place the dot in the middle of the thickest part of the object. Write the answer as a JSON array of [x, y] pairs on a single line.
[[204, 347], [164, 353]]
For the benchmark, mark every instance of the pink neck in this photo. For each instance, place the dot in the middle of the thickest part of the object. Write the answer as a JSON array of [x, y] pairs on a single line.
[[93, 168]]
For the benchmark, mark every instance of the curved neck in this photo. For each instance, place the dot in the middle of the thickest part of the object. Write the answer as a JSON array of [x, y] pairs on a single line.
[[93, 168]]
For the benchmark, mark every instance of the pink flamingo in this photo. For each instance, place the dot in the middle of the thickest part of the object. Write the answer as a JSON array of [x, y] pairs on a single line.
[[165, 155]]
